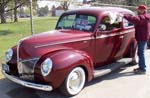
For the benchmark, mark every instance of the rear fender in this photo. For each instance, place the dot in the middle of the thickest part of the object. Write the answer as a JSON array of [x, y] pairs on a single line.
[[132, 49]]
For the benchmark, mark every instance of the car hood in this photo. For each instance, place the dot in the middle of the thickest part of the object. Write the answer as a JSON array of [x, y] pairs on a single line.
[[40, 44]]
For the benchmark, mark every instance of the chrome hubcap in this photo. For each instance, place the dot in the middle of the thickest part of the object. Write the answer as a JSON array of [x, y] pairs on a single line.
[[76, 80]]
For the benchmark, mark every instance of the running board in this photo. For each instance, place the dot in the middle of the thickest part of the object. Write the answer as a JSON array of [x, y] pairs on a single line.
[[111, 67]]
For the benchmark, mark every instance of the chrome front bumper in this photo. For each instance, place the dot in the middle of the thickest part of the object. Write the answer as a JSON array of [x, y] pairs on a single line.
[[27, 84]]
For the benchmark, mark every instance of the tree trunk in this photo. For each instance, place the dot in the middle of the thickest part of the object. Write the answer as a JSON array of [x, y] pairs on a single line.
[[15, 15], [65, 5], [15, 12], [2, 14]]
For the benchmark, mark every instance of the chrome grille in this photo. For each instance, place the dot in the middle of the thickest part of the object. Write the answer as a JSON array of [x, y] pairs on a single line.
[[27, 77], [26, 68]]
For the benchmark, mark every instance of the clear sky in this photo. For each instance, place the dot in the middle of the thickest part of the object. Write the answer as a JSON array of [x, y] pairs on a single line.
[[51, 3]]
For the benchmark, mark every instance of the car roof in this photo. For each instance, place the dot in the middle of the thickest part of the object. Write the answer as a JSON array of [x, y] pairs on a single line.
[[99, 10]]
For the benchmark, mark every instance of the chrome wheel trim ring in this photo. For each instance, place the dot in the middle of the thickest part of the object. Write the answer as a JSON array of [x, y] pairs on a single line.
[[76, 80]]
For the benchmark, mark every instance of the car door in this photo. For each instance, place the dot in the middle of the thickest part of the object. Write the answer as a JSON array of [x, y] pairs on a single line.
[[108, 41], [128, 36]]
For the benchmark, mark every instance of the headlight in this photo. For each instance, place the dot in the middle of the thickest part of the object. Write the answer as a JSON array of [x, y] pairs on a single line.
[[46, 67], [9, 54]]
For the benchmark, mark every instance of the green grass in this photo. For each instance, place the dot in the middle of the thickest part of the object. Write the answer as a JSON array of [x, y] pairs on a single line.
[[10, 33]]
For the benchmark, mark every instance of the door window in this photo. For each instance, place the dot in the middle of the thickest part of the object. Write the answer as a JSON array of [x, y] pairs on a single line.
[[80, 22], [106, 25], [67, 22]]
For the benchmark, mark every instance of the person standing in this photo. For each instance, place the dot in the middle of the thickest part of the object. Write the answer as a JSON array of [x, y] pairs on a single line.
[[142, 33]]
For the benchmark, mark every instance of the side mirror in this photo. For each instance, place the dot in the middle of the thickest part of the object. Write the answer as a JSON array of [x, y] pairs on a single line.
[[102, 27]]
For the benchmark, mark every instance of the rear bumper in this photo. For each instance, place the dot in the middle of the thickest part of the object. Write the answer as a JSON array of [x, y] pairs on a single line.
[[27, 84]]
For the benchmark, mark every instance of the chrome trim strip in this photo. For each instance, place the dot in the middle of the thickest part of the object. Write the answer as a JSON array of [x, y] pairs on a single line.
[[18, 58], [18, 52], [28, 84], [18, 45], [116, 34], [29, 60], [83, 39]]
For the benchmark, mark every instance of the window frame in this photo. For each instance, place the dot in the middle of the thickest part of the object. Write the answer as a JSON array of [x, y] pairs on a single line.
[[109, 31], [126, 27], [62, 16]]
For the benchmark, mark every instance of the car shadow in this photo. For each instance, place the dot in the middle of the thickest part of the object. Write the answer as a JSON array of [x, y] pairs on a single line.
[[13, 90], [113, 75], [22, 92], [31, 93]]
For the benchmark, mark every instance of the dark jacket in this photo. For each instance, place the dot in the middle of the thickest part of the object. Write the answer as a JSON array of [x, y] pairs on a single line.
[[142, 26]]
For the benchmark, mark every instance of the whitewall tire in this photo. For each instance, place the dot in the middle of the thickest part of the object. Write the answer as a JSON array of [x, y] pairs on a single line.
[[74, 82]]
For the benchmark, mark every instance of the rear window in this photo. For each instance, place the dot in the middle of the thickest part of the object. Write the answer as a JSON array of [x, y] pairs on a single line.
[[127, 24]]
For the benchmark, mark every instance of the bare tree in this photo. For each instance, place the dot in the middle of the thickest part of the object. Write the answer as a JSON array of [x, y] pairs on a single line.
[[66, 3], [3, 5], [15, 4], [15, 11]]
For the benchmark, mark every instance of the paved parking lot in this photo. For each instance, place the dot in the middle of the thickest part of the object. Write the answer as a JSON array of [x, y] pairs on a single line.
[[119, 84]]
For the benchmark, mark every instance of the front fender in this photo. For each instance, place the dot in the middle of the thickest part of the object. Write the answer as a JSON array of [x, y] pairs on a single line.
[[63, 62]]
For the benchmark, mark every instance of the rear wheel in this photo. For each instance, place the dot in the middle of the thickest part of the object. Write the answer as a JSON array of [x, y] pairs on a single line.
[[132, 53], [74, 82]]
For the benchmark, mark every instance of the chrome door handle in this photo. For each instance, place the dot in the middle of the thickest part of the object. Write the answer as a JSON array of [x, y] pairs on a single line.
[[121, 37], [84, 41]]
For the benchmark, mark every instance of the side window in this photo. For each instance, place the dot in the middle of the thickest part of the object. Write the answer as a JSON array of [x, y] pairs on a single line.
[[91, 20], [67, 21], [106, 25], [85, 23], [126, 23], [82, 22]]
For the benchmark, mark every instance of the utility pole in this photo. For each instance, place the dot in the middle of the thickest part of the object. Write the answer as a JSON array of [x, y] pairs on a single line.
[[31, 18]]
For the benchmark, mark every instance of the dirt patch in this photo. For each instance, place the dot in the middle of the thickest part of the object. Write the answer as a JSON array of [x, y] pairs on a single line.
[[1, 75]]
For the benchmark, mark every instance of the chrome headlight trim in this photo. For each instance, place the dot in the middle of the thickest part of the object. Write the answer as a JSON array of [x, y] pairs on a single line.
[[9, 54], [46, 66]]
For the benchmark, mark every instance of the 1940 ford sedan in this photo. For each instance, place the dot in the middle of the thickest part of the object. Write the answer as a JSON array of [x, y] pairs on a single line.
[[86, 43]]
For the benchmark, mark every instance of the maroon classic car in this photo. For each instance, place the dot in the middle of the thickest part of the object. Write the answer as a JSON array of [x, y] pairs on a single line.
[[86, 43]]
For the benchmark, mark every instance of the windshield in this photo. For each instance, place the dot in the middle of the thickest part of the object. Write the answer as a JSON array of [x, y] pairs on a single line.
[[78, 22]]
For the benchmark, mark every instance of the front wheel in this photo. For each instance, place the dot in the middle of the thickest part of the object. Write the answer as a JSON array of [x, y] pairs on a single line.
[[74, 82]]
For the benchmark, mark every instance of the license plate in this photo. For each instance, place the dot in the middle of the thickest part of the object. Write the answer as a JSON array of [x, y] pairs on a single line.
[[5, 67]]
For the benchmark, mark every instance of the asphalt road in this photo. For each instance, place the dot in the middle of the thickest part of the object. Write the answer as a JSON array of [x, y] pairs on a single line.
[[122, 83]]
